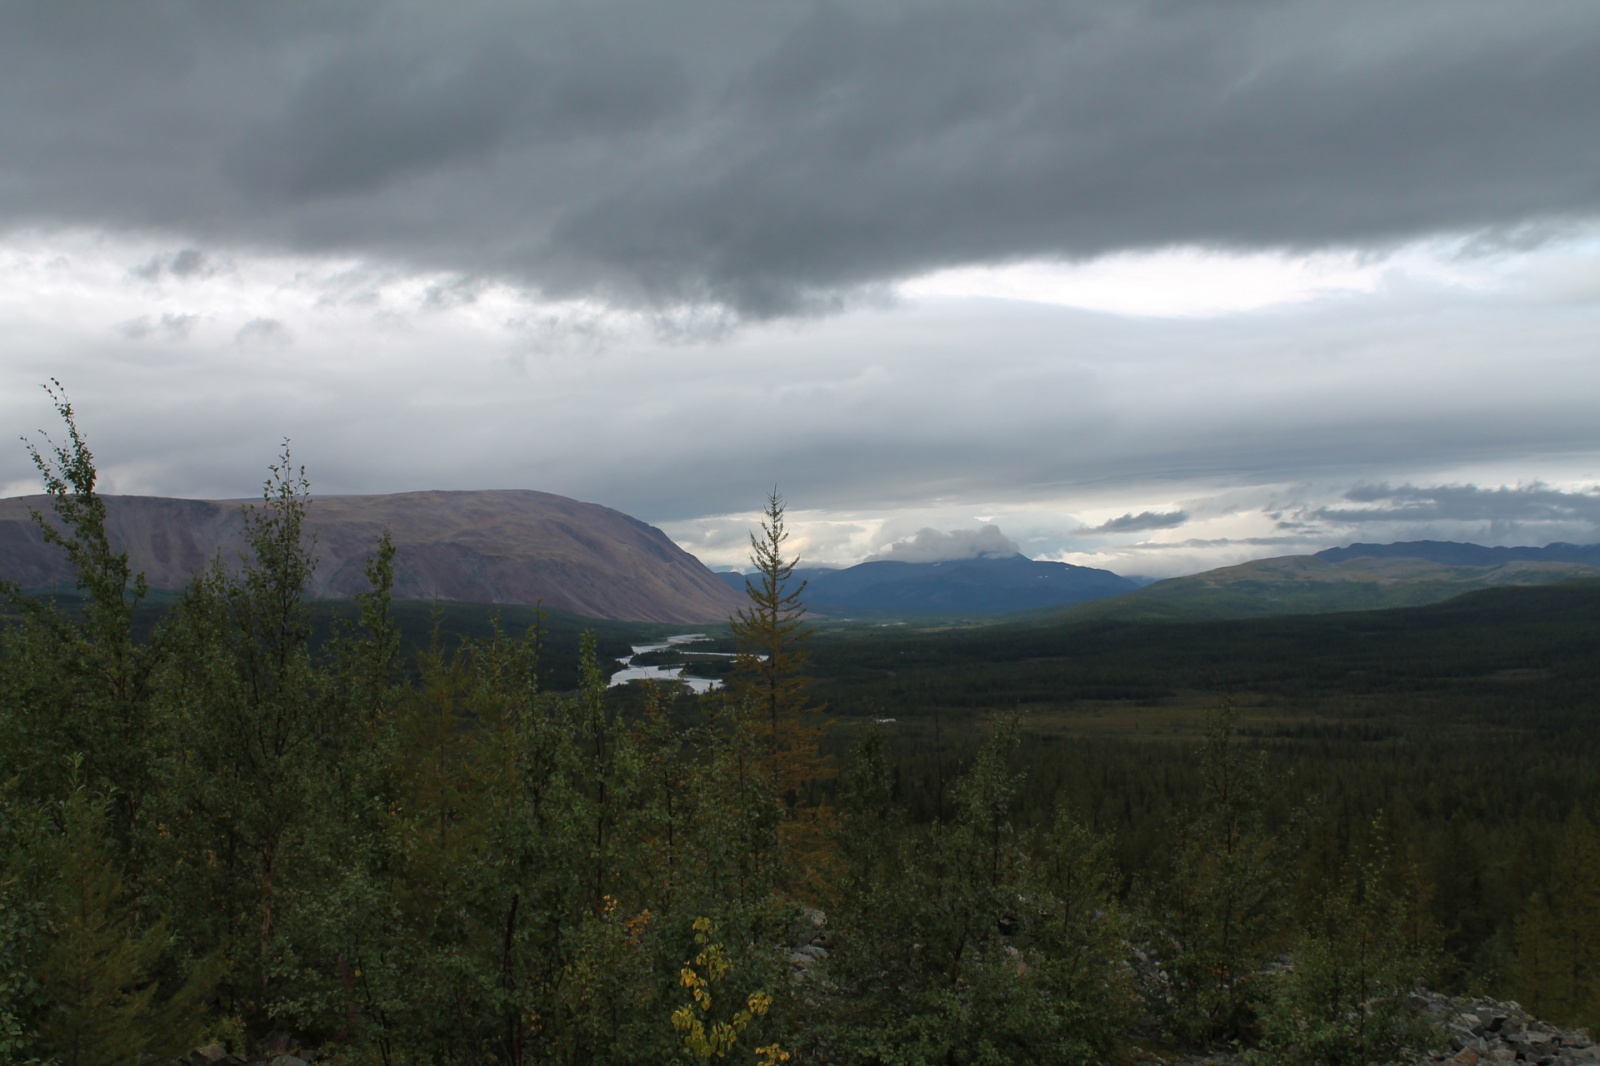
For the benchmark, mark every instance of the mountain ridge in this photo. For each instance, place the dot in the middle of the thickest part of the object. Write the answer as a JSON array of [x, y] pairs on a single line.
[[986, 585], [1354, 578], [1462, 553], [482, 546]]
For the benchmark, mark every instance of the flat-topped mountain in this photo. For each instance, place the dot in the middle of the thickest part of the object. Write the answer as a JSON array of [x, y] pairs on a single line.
[[507, 546], [986, 585]]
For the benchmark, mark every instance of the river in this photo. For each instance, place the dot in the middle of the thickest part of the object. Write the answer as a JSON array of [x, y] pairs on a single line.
[[629, 672]]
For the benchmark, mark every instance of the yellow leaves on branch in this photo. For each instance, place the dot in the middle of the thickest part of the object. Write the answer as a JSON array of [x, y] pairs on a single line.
[[705, 1038]]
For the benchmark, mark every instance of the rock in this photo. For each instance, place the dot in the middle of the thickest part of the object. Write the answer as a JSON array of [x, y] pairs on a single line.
[[277, 1042], [213, 1054], [1531, 1043], [289, 1060], [1486, 1031]]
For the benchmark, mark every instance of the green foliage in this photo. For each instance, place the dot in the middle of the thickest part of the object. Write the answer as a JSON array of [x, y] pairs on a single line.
[[1346, 999], [955, 945], [1222, 912], [76, 688], [1557, 970], [99, 969], [23, 922], [258, 738]]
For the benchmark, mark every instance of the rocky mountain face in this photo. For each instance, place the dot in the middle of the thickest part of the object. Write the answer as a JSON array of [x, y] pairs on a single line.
[[509, 546]]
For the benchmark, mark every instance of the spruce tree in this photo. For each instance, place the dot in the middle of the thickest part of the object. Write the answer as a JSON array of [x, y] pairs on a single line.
[[99, 970], [769, 685]]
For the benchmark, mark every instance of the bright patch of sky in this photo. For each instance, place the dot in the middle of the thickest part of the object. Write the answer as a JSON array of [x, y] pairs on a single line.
[[1198, 282]]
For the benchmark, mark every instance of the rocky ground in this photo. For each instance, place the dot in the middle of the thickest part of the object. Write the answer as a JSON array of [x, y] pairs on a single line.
[[1487, 1030], [280, 1049], [1479, 1030], [1475, 1030]]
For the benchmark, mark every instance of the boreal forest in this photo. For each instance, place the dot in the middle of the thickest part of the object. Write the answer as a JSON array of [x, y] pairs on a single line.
[[240, 821]]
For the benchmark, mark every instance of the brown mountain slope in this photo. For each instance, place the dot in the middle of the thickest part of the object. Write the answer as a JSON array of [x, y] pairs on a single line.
[[480, 547]]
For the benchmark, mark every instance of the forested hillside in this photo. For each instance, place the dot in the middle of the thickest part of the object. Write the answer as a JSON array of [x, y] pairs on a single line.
[[222, 827]]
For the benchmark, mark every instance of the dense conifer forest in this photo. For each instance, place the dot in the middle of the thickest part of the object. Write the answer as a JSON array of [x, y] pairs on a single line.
[[237, 818]]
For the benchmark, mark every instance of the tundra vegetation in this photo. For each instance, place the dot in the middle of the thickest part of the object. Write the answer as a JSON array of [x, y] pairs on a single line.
[[218, 824]]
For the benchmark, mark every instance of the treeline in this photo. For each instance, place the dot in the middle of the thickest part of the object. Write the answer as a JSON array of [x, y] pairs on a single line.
[[232, 829], [557, 636]]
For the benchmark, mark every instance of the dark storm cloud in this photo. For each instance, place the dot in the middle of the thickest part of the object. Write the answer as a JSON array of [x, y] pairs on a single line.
[[1134, 523], [774, 158]]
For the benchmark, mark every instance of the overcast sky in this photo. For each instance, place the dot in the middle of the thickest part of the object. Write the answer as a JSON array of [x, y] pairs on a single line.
[[1156, 287]]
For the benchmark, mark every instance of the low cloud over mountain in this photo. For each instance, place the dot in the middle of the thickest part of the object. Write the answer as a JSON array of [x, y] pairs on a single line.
[[934, 546]]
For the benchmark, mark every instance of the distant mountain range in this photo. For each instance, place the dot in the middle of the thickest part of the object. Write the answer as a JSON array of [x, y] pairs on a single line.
[[1451, 553], [513, 547], [522, 547], [1356, 578], [988, 585]]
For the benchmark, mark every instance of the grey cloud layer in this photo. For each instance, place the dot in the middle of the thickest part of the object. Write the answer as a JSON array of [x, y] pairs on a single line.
[[1135, 523], [1496, 508], [869, 411], [771, 158]]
